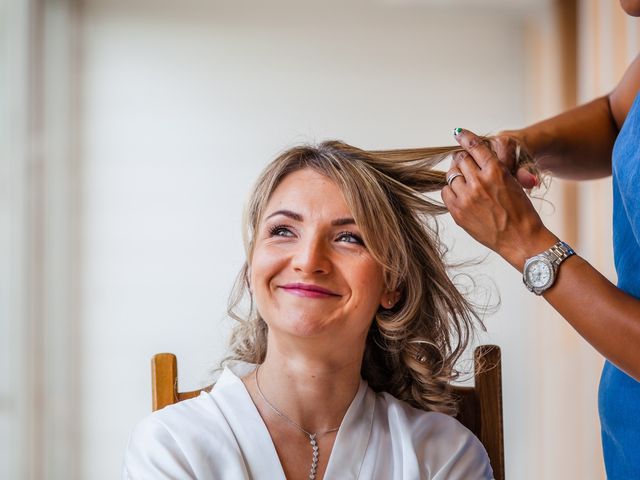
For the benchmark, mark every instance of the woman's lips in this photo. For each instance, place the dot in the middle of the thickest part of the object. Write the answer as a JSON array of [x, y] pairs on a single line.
[[307, 290]]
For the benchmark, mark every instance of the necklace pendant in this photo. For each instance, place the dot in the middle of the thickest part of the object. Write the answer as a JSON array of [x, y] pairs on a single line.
[[314, 462]]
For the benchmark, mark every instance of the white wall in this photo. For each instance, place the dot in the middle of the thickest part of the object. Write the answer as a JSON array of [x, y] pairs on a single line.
[[181, 109]]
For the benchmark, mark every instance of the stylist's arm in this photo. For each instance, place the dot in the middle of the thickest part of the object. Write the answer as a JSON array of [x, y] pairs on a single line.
[[487, 202]]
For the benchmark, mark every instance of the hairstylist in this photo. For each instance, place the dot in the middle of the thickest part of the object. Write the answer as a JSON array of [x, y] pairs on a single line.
[[594, 140]]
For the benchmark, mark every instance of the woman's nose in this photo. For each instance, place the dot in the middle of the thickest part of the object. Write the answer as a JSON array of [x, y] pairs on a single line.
[[311, 256]]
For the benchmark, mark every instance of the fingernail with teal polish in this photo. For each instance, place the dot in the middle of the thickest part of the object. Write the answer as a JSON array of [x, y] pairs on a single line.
[[457, 131]]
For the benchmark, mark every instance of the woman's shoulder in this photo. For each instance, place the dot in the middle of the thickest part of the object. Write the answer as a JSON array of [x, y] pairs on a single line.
[[420, 421], [174, 425], [622, 97], [187, 422], [165, 443], [436, 439], [193, 411]]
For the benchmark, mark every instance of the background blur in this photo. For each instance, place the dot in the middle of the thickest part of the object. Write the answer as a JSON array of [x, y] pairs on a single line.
[[131, 132]]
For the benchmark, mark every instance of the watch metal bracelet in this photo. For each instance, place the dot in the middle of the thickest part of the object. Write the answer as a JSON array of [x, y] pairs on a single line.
[[560, 251]]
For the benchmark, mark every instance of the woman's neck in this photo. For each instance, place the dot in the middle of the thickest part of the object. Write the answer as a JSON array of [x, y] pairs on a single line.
[[311, 387]]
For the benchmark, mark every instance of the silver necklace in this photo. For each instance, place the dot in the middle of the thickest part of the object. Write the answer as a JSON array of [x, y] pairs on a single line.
[[312, 436]]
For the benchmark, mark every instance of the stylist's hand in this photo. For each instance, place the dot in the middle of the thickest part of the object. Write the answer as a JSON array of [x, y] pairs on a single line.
[[486, 200], [504, 144]]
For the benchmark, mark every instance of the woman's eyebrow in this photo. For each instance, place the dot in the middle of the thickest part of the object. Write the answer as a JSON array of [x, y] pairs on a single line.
[[343, 221], [287, 213], [298, 218]]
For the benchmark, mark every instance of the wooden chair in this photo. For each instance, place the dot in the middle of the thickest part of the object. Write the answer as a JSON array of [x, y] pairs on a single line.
[[480, 406]]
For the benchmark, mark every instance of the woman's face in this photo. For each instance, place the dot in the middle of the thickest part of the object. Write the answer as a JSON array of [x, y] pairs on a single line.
[[310, 273]]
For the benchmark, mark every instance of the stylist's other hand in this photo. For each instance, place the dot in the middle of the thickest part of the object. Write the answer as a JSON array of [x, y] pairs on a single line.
[[488, 202], [505, 146]]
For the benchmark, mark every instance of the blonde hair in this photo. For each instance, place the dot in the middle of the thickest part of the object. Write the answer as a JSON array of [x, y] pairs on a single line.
[[411, 349]]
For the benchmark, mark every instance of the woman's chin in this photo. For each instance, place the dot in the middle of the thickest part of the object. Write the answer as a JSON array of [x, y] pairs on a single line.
[[308, 330], [303, 327]]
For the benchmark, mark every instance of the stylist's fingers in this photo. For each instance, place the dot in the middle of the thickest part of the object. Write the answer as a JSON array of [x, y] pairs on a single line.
[[448, 197], [505, 150], [503, 147], [479, 150], [527, 179], [508, 151], [458, 157], [492, 171], [469, 168], [454, 170], [453, 176]]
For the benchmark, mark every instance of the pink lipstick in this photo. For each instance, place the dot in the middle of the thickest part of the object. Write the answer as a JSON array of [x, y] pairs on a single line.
[[308, 290]]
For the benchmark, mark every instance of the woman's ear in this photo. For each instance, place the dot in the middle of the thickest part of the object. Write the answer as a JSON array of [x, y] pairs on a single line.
[[389, 299]]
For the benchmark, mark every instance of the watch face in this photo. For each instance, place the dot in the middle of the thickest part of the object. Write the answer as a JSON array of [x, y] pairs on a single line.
[[539, 274]]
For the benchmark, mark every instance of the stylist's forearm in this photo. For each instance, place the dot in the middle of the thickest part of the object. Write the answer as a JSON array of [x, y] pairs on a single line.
[[576, 144], [604, 315]]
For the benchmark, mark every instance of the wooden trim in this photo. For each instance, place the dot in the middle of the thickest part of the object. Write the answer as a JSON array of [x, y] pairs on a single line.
[[17, 422], [40, 160], [58, 166], [620, 45], [567, 18], [164, 380], [489, 380], [567, 14]]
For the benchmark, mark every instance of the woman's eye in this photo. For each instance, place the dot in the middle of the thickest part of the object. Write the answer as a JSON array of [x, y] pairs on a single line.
[[280, 231], [350, 238]]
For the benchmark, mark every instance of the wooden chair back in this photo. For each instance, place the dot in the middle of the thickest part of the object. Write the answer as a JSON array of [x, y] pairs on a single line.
[[479, 408]]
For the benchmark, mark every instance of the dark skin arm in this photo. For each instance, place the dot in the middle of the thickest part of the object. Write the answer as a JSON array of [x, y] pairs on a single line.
[[576, 144], [561, 146], [492, 207]]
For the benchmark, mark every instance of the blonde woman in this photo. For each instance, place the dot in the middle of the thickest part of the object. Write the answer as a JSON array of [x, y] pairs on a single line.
[[341, 368]]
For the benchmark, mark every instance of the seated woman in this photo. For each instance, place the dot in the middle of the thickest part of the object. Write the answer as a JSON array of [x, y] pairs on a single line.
[[341, 368]]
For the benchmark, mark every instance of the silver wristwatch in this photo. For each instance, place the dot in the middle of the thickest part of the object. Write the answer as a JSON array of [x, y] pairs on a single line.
[[540, 271]]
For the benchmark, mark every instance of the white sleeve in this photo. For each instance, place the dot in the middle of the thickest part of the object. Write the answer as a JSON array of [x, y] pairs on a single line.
[[440, 447], [153, 453], [469, 461]]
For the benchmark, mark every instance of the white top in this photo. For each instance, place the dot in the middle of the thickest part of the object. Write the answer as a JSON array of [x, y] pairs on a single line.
[[220, 435]]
